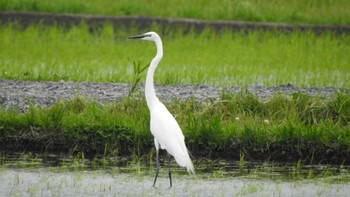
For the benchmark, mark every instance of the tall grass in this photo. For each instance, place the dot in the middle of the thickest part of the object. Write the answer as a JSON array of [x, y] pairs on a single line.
[[293, 11], [224, 59], [293, 128]]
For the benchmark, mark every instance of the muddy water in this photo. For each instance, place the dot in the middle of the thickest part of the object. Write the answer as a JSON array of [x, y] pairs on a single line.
[[48, 181]]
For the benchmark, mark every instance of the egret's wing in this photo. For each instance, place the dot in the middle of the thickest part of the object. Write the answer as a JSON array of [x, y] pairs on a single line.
[[168, 134]]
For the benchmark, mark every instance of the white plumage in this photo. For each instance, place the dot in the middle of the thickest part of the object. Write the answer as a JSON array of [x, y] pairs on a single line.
[[165, 129], [168, 134]]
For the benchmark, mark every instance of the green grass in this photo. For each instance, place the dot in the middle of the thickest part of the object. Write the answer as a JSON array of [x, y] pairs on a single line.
[[224, 59], [293, 11], [299, 127]]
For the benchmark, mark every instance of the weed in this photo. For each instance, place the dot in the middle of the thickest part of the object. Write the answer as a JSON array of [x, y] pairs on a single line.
[[138, 70]]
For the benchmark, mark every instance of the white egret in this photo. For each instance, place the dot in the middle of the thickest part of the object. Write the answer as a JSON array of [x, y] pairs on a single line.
[[165, 129]]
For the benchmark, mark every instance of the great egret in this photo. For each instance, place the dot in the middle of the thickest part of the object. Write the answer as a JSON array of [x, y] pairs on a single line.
[[166, 131]]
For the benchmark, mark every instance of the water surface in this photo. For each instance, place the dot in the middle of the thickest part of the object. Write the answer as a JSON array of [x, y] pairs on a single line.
[[30, 176]]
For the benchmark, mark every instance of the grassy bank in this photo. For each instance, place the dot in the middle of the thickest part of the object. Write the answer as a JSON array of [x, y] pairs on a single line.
[[294, 11], [223, 59], [297, 127]]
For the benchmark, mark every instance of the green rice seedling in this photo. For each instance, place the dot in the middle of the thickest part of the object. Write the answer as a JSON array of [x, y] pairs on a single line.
[[135, 163], [219, 173], [78, 162], [33, 190], [220, 59], [241, 162], [94, 164], [296, 170], [310, 174], [27, 160]]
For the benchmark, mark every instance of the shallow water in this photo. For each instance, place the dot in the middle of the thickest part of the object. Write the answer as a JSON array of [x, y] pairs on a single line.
[[50, 182], [52, 175]]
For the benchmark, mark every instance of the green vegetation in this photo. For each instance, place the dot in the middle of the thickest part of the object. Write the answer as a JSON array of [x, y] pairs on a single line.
[[294, 11], [115, 137], [223, 59], [144, 165], [284, 128], [287, 128], [138, 70]]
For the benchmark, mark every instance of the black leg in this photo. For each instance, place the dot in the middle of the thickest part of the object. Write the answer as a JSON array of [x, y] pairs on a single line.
[[171, 184], [157, 170]]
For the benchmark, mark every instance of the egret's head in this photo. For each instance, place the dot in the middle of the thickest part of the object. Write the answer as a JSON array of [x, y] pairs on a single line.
[[151, 36]]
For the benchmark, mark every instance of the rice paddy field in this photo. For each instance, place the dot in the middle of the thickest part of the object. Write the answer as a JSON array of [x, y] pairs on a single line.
[[59, 175], [285, 145], [224, 59]]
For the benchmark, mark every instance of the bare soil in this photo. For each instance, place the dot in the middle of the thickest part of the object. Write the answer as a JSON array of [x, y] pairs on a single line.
[[21, 94]]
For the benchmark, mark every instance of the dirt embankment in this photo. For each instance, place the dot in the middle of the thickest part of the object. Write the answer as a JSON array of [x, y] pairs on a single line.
[[144, 22]]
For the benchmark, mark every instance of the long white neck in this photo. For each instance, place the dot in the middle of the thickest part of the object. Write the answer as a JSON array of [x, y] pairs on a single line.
[[150, 93]]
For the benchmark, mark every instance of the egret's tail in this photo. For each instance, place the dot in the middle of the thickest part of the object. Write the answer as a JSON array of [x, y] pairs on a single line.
[[190, 168], [184, 160]]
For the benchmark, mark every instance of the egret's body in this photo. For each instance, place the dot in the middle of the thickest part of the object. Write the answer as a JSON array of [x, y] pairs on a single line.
[[165, 129]]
